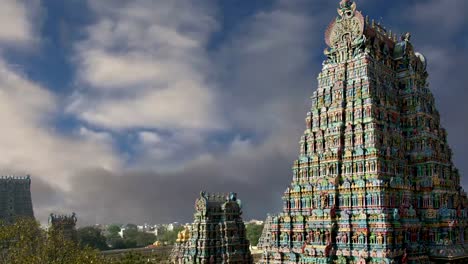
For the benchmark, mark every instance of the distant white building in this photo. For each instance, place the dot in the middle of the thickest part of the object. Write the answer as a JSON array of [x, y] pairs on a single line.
[[255, 222], [124, 228], [172, 226]]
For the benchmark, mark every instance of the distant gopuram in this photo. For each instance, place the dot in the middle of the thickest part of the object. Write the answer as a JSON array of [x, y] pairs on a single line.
[[15, 198], [374, 181], [66, 224], [217, 234]]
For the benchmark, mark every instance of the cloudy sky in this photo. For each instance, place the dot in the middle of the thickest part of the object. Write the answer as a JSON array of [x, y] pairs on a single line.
[[122, 111]]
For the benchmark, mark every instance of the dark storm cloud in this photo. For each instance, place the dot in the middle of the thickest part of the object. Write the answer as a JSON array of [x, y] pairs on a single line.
[[138, 197], [46, 199]]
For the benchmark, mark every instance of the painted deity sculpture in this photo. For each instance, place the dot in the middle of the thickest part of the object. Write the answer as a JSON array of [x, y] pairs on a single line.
[[217, 234], [374, 181]]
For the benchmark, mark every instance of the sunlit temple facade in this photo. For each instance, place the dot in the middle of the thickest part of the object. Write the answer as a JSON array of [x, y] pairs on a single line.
[[374, 181], [15, 198], [217, 234]]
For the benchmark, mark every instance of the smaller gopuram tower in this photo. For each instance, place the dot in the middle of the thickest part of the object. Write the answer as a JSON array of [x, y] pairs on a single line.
[[65, 224], [217, 234], [15, 198]]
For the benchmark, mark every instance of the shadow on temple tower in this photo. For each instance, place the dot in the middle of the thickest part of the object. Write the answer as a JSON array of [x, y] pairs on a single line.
[[217, 234], [374, 181], [15, 198], [65, 224]]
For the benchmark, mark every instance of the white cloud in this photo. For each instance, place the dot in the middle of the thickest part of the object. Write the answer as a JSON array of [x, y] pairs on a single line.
[[168, 151], [149, 138], [15, 22], [29, 142], [30, 146], [144, 64], [96, 136]]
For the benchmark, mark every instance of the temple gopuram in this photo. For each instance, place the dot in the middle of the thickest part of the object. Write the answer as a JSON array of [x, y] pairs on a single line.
[[217, 234], [15, 198], [66, 224], [374, 181]]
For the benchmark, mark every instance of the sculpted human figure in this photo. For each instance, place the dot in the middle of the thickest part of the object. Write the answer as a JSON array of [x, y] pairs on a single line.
[[379, 239], [339, 238], [323, 200], [311, 236], [396, 214]]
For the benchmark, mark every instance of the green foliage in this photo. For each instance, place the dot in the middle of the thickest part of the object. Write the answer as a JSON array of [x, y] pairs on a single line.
[[132, 238], [24, 242], [130, 234], [132, 227], [136, 258], [113, 229], [132, 258], [113, 238], [253, 233], [92, 237], [144, 239], [170, 237]]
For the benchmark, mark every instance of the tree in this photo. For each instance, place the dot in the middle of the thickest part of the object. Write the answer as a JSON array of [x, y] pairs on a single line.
[[25, 242], [145, 239], [92, 237], [132, 238], [113, 229], [136, 258], [131, 227], [122, 243], [170, 237], [130, 234], [253, 233], [113, 238]]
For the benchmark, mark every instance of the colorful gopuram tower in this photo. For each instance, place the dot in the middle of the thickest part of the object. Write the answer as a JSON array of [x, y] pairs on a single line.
[[217, 234], [66, 224], [374, 181], [15, 198]]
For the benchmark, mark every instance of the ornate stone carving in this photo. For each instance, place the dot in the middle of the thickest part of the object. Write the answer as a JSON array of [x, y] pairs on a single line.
[[347, 28], [383, 184]]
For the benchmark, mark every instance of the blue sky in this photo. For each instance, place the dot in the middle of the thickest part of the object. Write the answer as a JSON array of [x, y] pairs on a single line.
[[124, 110]]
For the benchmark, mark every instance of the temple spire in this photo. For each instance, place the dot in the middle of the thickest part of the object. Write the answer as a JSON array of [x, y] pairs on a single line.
[[374, 181]]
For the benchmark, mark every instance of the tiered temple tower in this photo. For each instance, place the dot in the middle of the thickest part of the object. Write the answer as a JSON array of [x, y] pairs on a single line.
[[374, 181], [217, 234], [65, 224], [15, 198]]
